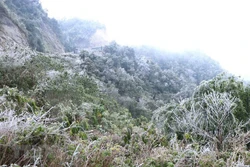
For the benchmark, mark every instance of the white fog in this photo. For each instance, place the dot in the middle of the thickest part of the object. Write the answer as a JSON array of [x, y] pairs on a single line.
[[220, 29]]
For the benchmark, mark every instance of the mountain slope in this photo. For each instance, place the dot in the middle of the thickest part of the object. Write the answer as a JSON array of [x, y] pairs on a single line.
[[9, 30], [140, 82], [63, 110], [94, 108], [81, 34], [25, 23]]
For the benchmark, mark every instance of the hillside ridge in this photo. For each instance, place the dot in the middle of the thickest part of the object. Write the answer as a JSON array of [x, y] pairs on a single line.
[[28, 28]]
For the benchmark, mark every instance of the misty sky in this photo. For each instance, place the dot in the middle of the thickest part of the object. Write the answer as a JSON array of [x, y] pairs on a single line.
[[219, 28]]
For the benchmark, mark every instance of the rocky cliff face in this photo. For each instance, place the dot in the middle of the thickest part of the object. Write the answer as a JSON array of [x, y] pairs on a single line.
[[9, 31], [26, 24]]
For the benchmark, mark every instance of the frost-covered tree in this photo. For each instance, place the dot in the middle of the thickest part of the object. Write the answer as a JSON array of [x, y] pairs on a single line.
[[211, 119], [225, 83], [216, 112]]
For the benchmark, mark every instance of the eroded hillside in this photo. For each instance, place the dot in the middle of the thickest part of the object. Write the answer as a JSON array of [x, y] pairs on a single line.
[[10, 31], [26, 24]]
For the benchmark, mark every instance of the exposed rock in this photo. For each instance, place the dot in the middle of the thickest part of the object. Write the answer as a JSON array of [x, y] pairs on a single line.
[[9, 31], [23, 30]]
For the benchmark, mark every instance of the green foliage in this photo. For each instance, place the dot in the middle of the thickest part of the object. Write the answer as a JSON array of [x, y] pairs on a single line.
[[17, 101], [23, 77], [127, 136], [66, 86], [44, 63], [20, 77]]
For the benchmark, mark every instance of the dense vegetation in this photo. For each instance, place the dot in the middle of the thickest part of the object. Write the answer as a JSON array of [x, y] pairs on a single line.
[[120, 106], [193, 66], [142, 84], [62, 110]]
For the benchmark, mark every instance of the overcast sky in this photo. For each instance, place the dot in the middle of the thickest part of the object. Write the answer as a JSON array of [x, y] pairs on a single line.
[[219, 28]]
